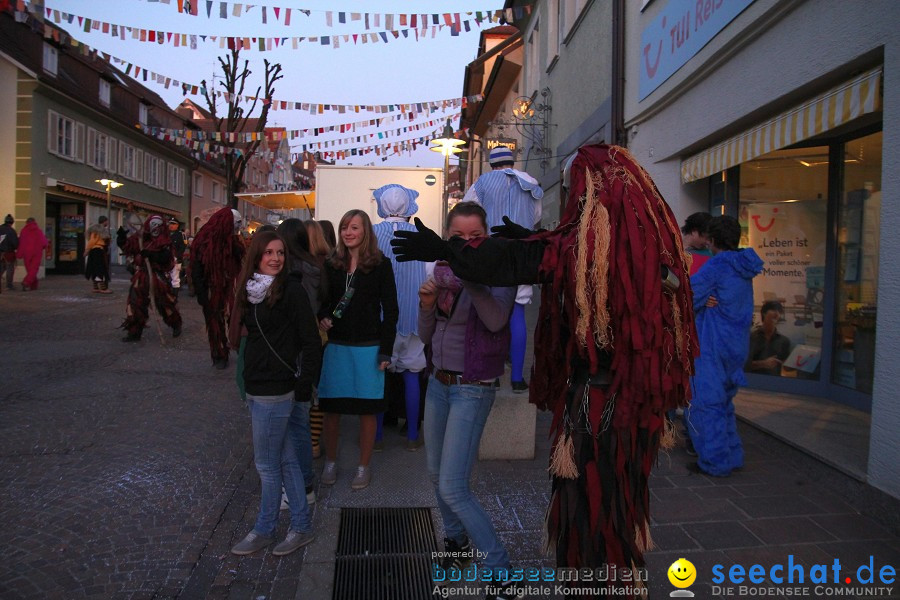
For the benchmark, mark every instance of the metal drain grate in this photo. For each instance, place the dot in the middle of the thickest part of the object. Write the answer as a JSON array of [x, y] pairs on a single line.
[[384, 554]]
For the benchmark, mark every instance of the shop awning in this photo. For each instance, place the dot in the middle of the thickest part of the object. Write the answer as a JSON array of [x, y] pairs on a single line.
[[117, 200], [860, 96], [281, 200]]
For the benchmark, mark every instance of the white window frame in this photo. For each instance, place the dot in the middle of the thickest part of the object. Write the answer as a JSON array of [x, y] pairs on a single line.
[[214, 192], [569, 16], [197, 184], [51, 59], [154, 171], [112, 154], [142, 113], [131, 162], [97, 150], [533, 53], [175, 180], [105, 92], [553, 38], [65, 137]]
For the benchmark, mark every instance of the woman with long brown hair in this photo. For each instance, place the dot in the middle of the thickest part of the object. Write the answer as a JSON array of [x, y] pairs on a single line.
[[361, 321], [281, 360]]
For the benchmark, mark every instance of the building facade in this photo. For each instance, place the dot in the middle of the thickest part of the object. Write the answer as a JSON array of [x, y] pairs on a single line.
[[74, 124], [783, 114]]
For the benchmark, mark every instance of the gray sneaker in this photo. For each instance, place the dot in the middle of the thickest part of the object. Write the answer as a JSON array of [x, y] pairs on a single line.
[[329, 473], [252, 543], [293, 541], [362, 479]]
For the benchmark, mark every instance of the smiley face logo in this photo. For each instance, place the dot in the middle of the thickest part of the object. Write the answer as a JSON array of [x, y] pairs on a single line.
[[682, 573]]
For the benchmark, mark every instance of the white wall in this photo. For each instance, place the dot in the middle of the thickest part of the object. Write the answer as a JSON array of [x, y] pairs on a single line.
[[772, 56]]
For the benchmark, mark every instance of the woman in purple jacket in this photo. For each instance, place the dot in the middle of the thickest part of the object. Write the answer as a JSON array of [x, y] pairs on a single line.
[[467, 325]]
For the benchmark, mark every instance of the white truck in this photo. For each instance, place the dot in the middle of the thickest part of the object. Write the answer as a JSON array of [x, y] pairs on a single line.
[[341, 188]]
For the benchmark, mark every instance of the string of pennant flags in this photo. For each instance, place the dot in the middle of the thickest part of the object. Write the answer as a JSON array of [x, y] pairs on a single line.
[[369, 20], [227, 10], [288, 134], [209, 148], [418, 27]]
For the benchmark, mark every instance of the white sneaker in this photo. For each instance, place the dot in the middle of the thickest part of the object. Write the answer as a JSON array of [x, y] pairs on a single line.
[[311, 497], [329, 473], [362, 479]]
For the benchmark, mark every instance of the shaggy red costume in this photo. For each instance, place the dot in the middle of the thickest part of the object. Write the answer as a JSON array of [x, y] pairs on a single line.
[[614, 347], [216, 256], [151, 251]]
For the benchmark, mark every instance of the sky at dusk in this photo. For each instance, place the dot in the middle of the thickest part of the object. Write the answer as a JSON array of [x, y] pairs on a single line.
[[400, 71]]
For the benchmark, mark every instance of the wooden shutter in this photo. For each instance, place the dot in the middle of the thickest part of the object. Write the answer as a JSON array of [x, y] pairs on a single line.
[[111, 155], [79, 142], [52, 132], [138, 165]]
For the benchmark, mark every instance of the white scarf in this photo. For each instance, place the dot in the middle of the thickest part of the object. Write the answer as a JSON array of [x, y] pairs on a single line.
[[258, 287]]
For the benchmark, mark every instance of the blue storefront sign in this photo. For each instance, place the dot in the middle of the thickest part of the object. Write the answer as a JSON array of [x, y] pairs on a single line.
[[679, 31]]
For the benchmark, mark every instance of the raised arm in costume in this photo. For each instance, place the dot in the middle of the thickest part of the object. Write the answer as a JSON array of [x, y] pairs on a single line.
[[614, 347], [152, 256]]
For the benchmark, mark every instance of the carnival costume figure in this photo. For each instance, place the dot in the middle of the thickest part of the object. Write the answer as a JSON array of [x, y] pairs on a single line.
[[614, 345], [152, 257], [396, 204], [216, 255]]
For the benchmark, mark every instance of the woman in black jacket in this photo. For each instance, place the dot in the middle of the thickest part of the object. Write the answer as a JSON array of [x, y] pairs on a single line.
[[281, 360], [361, 321]]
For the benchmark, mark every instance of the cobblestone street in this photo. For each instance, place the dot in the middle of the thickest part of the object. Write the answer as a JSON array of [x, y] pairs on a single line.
[[127, 472], [127, 469]]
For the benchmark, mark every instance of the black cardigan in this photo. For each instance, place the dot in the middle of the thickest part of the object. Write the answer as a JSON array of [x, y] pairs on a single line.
[[371, 317], [290, 328]]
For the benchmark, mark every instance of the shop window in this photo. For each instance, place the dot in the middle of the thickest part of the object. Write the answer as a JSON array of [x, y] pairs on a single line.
[[856, 288], [783, 202]]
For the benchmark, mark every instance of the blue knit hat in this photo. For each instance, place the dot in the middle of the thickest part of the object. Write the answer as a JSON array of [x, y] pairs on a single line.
[[501, 154]]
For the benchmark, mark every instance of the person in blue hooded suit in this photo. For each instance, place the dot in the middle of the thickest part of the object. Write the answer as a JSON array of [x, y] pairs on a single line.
[[396, 204], [723, 309]]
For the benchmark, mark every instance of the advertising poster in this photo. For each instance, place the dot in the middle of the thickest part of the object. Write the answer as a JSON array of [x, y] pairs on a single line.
[[70, 226]]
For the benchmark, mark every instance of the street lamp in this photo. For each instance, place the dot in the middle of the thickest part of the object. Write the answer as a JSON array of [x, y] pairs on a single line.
[[446, 145], [110, 185]]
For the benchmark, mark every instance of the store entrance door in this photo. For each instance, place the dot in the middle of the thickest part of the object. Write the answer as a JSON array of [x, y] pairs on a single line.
[[68, 245]]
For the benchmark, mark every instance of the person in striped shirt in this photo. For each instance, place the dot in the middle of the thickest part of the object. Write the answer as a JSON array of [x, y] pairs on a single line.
[[506, 192], [396, 204]]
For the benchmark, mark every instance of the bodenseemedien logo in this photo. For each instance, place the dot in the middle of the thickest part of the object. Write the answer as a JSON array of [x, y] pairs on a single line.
[[682, 574]]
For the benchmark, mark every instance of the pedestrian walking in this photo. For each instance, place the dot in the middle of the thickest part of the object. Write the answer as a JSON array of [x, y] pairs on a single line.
[[614, 346], [361, 321], [507, 192], [467, 325], [96, 269], [216, 255], [723, 329], [396, 204], [283, 353], [9, 242], [151, 255], [32, 243]]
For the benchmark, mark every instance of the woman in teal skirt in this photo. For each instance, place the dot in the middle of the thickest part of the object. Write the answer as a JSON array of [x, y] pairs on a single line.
[[361, 321]]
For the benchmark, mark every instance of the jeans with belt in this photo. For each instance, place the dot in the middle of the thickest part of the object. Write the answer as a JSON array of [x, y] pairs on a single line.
[[454, 421], [276, 462]]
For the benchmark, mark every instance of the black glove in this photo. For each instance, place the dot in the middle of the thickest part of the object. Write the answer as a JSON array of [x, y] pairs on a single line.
[[510, 230], [424, 245]]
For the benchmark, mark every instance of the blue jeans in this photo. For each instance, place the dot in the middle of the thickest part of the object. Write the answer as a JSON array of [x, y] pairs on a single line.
[[454, 420], [301, 439], [276, 463]]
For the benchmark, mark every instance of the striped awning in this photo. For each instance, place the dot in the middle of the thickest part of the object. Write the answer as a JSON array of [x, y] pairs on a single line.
[[118, 200], [860, 96]]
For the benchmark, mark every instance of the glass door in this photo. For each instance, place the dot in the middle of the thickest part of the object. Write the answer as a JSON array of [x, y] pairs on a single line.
[[856, 274]]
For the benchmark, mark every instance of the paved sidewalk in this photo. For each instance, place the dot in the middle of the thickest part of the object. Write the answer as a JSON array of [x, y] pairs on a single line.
[[127, 473]]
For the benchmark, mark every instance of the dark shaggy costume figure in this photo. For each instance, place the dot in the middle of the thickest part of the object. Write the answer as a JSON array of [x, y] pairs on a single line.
[[614, 346], [151, 252], [216, 256]]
